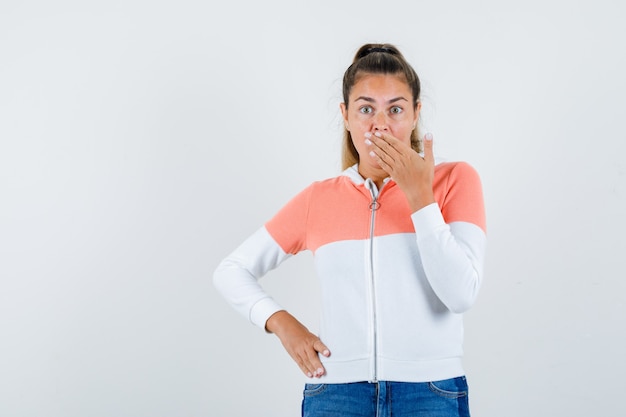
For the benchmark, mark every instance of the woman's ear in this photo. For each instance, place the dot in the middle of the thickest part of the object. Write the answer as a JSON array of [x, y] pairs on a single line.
[[344, 114], [418, 107]]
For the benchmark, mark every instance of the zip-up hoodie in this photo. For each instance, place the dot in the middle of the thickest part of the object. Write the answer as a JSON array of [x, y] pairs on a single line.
[[393, 283]]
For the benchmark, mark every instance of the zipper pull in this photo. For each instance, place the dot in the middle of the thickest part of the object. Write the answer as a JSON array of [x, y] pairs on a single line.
[[369, 184]]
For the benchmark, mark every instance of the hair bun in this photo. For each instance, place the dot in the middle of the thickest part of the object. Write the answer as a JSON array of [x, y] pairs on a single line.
[[375, 48]]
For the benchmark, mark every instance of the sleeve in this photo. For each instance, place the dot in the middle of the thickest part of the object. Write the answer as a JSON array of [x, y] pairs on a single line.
[[451, 238], [237, 276]]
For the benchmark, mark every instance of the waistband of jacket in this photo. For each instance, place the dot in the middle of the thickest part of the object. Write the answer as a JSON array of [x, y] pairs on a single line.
[[390, 370]]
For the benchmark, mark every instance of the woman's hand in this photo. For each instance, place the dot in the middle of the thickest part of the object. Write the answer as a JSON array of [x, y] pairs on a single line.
[[303, 346], [412, 172]]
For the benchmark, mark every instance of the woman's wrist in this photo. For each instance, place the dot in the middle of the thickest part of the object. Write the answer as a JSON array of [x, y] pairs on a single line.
[[420, 199], [277, 321]]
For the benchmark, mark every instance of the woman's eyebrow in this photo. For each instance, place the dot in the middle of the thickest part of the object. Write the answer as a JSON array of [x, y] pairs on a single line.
[[371, 100]]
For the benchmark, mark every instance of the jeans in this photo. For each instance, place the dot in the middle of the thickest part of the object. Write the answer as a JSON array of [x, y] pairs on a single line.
[[447, 398]]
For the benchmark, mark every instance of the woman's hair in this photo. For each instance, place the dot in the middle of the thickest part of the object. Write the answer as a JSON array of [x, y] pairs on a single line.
[[377, 58]]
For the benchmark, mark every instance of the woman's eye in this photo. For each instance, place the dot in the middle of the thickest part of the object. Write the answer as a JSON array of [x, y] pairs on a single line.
[[396, 110], [365, 109]]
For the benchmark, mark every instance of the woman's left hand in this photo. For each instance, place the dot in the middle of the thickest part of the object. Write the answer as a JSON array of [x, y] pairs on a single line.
[[412, 172]]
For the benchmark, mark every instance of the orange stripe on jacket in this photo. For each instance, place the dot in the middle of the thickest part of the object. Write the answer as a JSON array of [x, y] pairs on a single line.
[[459, 193], [337, 209]]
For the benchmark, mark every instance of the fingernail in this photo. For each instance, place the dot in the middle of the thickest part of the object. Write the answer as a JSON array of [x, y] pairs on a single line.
[[320, 372], [368, 135], [372, 153], [368, 142], [428, 136], [327, 352], [378, 134]]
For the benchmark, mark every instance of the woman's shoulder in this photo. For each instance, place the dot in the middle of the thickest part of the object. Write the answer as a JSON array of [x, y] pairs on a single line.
[[323, 186], [341, 179], [455, 171]]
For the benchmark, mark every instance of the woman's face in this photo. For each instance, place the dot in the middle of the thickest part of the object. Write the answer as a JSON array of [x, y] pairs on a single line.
[[379, 102]]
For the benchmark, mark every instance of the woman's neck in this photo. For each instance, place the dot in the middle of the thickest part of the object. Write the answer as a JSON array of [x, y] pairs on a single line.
[[377, 176]]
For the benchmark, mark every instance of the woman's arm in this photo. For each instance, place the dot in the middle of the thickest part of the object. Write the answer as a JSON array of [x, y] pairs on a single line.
[[236, 278], [452, 257], [450, 232]]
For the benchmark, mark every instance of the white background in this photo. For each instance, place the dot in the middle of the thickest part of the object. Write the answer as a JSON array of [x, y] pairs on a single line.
[[141, 141]]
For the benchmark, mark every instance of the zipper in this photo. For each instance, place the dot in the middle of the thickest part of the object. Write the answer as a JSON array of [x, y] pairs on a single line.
[[374, 206]]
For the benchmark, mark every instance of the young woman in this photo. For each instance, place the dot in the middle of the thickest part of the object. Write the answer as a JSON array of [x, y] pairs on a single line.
[[398, 241]]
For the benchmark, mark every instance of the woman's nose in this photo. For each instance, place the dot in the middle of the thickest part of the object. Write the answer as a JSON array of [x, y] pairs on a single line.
[[380, 122]]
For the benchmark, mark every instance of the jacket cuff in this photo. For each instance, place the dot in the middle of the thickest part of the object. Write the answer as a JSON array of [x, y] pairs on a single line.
[[262, 311], [426, 220]]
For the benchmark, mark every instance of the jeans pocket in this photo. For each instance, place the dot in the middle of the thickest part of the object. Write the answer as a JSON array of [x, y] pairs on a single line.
[[311, 390], [450, 388]]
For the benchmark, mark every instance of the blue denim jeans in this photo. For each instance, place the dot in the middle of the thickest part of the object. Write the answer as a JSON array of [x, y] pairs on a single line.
[[447, 398]]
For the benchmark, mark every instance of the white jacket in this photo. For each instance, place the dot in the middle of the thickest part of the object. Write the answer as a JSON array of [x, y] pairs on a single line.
[[393, 283]]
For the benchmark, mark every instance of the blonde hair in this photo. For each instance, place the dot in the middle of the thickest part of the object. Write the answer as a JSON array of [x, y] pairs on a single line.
[[377, 58]]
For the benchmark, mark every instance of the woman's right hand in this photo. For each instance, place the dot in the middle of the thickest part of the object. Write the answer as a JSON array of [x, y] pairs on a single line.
[[302, 345]]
